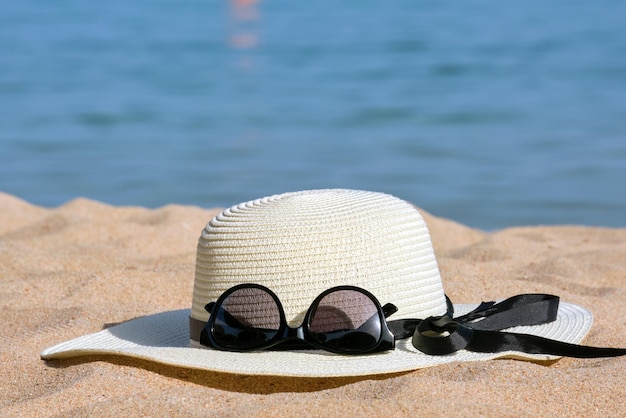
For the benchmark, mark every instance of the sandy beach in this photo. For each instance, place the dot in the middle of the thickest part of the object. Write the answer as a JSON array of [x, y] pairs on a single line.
[[78, 268]]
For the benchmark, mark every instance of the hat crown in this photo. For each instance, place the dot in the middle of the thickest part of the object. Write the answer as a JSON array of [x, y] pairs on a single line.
[[300, 244]]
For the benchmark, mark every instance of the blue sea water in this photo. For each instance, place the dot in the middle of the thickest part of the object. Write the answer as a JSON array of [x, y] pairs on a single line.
[[487, 112]]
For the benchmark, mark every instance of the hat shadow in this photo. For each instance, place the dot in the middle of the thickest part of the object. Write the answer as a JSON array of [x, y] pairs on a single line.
[[251, 384]]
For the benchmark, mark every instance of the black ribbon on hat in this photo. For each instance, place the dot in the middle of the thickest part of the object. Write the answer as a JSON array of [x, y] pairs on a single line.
[[481, 330]]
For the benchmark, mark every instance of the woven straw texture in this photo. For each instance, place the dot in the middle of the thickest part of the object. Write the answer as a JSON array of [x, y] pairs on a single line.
[[300, 244]]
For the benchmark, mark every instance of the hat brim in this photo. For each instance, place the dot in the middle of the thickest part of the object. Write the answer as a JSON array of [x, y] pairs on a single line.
[[164, 338]]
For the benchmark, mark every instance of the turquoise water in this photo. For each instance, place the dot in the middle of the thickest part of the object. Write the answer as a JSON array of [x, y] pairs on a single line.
[[487, 112]]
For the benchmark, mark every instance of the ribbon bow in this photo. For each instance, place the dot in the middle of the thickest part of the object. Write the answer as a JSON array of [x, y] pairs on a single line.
[[480, 330]]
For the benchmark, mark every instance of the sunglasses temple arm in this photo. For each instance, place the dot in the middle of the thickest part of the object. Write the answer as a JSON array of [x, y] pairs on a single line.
[[403, 328], [389, 309]]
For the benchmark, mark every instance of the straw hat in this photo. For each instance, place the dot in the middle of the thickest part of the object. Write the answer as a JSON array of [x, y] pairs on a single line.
[[298, 245]]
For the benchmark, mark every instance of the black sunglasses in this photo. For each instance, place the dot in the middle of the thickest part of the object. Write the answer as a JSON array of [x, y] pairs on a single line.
[[343, 319]]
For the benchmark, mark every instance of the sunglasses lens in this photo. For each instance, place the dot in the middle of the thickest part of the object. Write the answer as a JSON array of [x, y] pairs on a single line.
[[246, 319], [346, 321]]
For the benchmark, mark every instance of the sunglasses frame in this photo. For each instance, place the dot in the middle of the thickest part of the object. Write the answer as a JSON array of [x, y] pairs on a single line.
[[286, 334]]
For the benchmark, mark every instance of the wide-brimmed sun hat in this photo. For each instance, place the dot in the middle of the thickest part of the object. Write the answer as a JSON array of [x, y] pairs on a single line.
[[298, 245]]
